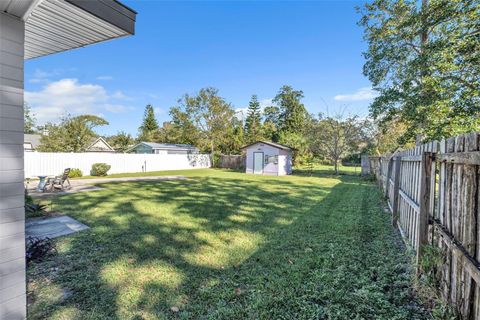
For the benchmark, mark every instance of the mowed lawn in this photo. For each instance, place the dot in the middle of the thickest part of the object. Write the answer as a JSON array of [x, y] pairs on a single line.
[[226, 245]]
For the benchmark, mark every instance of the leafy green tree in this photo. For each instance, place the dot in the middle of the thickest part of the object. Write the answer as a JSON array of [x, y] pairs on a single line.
[[388, 137], [121, 141], [149, 125], [271, 123], [336, 137], [293, 114], [423, 59], [253, 122], [166, 134], [183, 130], [72, 134], [204, 119], [29, 124], [236, 137], [296, 140]]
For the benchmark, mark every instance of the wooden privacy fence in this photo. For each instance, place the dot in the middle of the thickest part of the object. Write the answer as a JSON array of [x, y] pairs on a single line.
[[433, 194], [232, 161]]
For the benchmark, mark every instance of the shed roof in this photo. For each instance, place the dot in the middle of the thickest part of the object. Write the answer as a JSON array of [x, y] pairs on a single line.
[[273, 144]]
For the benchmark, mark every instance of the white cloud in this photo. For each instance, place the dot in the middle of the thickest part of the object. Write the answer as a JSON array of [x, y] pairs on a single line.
[[104, 78], [120, 95], [41, 76], [69, 96], [361, 94]]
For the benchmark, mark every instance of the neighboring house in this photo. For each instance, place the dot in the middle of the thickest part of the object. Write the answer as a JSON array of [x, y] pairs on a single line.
[[162, 148], [268, 158], [100, 145], [31, 142]]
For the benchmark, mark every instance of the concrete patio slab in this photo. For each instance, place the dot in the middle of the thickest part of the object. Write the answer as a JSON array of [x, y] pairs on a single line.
[[53, 227]]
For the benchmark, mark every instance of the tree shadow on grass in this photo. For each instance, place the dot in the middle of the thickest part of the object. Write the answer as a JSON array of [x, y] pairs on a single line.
[[226, 248]]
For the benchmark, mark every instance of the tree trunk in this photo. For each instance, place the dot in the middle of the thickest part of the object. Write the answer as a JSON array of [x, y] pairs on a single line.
[[335, 163]]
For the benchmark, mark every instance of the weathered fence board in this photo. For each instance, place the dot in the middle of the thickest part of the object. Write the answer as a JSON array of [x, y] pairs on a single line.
[[433, 193], [232, 161]]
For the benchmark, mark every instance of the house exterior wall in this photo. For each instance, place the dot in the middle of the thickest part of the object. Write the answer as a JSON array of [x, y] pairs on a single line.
[[268, 169], [12, 212]]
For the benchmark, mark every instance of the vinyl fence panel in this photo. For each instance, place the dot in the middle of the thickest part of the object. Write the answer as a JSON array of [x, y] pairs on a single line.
[[47, 163]]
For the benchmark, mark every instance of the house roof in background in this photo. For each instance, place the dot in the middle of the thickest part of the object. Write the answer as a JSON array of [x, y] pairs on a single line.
[[33, 139], [273, 144], [97, 139], [166, 146]]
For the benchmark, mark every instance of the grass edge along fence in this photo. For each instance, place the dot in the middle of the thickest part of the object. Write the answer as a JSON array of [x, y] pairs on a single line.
[[433, 194]]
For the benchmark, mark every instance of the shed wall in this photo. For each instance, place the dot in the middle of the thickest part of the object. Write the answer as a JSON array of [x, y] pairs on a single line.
[[281, 168]]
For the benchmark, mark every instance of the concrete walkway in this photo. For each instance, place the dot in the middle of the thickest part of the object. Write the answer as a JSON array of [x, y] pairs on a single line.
[[52, 227], [85, 185]]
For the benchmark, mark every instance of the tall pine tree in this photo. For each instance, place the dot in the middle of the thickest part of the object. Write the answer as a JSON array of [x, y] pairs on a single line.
[[253, 123], [149, 125], [293, 114]]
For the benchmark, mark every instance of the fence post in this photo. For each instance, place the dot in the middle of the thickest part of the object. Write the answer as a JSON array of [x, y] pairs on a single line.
[[424, 202], [366, 170], [389, 175], [396, 190], [380, 173]]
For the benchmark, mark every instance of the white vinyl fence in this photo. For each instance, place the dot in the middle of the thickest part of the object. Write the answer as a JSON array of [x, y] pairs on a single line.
[[46, 163]]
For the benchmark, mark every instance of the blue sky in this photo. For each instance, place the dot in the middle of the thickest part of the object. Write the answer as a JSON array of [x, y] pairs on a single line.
[[241, 48]]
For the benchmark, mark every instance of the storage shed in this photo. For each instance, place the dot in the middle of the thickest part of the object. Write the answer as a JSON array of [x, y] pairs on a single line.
[[268, 158]]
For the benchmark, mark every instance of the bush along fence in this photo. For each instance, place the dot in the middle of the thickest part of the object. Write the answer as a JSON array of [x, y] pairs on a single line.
[[433, 194]]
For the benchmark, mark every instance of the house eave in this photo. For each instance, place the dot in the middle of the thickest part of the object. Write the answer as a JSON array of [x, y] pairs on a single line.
[[53, 26]]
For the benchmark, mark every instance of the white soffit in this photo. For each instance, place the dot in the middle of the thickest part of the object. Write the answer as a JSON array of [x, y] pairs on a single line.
[[58, 25]]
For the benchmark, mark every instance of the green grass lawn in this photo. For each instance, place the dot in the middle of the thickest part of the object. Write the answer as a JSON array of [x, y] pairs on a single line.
[[319, 170], [226, 245]]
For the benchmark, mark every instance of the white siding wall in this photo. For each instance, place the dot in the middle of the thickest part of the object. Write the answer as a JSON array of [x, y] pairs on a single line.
[[40, 163], [286, 163], [12, 215], [282, 164], [270, 168]]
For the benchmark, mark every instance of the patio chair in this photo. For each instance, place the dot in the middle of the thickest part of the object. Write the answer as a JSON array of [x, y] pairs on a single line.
[[58, 182]]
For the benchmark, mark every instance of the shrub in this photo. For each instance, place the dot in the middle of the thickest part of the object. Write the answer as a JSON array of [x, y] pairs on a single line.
[[99, 169], [28, 198], [35, 209], [75, 173], [37, 249]]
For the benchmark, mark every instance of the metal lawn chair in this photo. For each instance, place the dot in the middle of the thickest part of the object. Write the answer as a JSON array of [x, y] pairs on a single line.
[[58, 182]]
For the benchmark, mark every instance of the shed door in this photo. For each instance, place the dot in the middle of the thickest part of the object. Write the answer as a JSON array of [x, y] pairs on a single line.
[[258, 162]]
